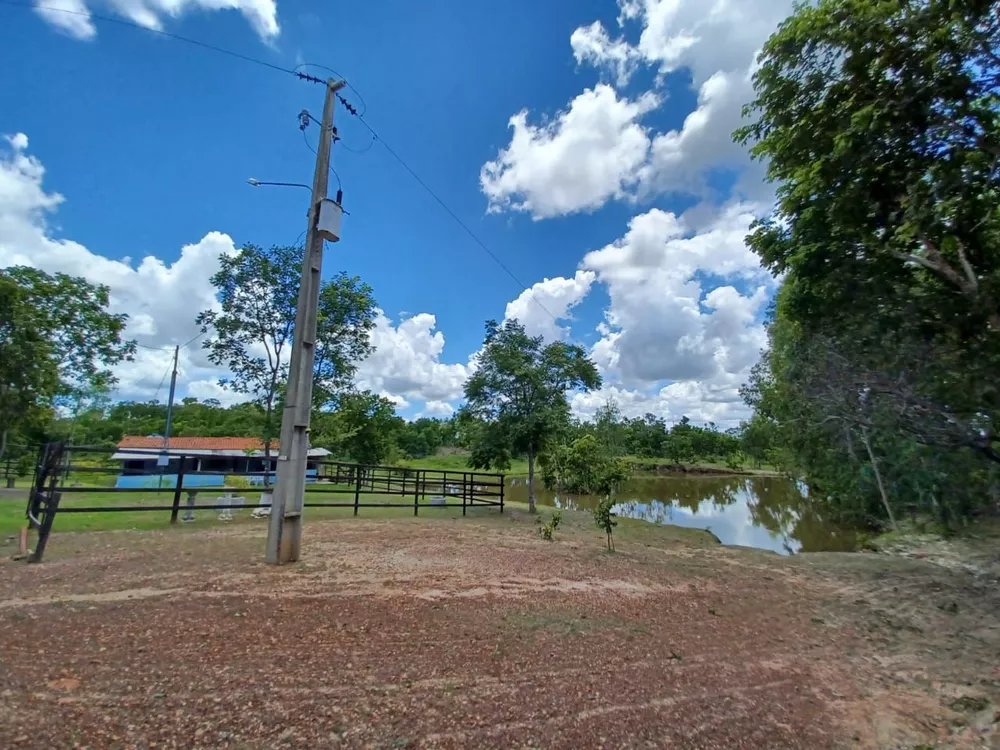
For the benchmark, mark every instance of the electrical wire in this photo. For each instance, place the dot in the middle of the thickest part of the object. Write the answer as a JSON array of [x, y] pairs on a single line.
[[364, 105], [452, 214], [168, 347], [152, 348], [156, 396], [364, 150], [304, 76], [338, 139], [193, 339], [140, 27], [334, 171]]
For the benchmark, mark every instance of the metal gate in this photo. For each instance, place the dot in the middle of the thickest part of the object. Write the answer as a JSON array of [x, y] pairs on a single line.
[[43, 498]]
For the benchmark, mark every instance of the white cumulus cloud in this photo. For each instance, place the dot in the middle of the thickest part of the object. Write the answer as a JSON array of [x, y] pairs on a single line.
[[407, 363], [705, 37], [587, 154], [437, 410], [161, 299], [73, 16], [592, 44], [675, 312], [540, 307], [596, 150]]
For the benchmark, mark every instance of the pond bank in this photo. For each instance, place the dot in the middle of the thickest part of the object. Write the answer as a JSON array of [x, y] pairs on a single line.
[[974, 550], [668, 469]]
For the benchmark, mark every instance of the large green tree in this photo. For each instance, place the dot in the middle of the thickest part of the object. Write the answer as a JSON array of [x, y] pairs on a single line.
[[364, 427], [86, 340], [253, 329], [29, 376], [517, 395], [58, 342], [583, 466], [879, 121]]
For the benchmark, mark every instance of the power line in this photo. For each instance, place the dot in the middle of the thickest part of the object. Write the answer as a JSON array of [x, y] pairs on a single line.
[[153, 348], [160, 32], [194, 338], [168, 347], [156, 396], [305, 118], [299, 238], [304, 76], [435, 196], [364, 150], [364, 105]]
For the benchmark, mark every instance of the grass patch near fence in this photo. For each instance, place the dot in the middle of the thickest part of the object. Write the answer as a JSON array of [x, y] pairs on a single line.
[[575, 524], [460, 462], [12, 517]]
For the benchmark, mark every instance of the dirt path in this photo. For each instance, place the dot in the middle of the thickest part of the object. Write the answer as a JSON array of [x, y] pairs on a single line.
[[476, 633]]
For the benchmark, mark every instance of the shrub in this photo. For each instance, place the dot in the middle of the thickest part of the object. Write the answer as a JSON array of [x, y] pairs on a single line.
[[549, 528], [237, 482], [605, 520]]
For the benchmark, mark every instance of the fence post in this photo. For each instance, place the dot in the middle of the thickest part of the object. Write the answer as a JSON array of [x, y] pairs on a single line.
[[177, 491], [465, 490], [51, 507], [357, 487], [416, 492], [51, 459], [503, 483]]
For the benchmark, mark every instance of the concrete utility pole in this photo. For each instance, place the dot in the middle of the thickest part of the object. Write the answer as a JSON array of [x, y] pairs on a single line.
[[170, 400], [164, 461], [285, 531]]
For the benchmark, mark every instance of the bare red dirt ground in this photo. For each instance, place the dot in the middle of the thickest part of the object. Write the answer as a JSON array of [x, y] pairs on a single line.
[[475, 633]]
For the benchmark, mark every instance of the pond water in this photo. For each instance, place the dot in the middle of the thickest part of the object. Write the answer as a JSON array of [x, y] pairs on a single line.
[[771, 513]]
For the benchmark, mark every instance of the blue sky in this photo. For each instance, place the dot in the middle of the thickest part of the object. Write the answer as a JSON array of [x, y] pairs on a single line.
[[618, 183]]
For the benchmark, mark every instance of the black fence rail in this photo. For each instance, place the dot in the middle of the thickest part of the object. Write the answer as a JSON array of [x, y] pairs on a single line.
[[84, 471], [18, 463]]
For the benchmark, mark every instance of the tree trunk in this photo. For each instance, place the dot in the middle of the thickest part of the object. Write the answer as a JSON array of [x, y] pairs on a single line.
[[3, 442], [878, 480], [850, 444], [531, 480]]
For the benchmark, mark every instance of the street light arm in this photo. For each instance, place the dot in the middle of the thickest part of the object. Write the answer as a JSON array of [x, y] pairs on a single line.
[[258, 183]]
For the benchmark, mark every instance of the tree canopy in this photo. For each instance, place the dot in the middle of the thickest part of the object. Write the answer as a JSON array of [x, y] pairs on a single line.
[[252, 332], [57, 341], [518, 395], [878, 121]]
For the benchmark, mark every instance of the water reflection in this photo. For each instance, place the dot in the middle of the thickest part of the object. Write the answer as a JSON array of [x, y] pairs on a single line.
[[766, 512]]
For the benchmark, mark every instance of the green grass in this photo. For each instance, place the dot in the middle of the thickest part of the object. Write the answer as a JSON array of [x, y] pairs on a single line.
[[12, 517], [21, 483], [460, 462], [700, 464], [574, 523]]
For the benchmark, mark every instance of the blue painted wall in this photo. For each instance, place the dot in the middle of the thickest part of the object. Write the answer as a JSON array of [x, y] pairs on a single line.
[[166, 481]]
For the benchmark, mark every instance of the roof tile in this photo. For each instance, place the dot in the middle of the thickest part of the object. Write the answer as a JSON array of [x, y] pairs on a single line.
[[197, 443]]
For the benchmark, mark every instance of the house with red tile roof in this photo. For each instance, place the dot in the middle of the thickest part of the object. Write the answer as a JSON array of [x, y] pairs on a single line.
[[205, 461]]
